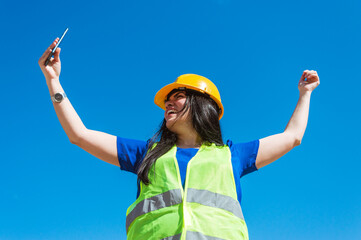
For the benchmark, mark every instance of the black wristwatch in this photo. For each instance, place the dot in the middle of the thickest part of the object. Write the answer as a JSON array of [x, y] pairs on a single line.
[[58, 97]]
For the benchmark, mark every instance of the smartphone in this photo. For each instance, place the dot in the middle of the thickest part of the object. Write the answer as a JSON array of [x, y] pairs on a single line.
[[56, 46]]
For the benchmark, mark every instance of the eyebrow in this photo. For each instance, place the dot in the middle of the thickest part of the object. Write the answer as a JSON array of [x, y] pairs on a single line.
[[176, 94]]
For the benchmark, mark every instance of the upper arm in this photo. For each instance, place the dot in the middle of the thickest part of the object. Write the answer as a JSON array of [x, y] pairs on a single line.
[[100, 145], [273, 147]]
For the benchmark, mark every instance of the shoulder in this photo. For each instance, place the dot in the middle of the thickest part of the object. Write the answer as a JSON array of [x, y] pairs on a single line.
[[131, 153], [244, 156], [243, 147], [131, 142]]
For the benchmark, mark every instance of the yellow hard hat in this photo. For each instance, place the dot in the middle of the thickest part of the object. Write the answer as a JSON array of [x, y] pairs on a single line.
[[190, 81]]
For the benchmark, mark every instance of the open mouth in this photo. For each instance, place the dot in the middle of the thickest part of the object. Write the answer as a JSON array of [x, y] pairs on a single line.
[[171, 112]]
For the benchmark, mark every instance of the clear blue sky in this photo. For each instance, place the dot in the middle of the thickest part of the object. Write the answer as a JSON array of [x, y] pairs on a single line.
[[115, 57]]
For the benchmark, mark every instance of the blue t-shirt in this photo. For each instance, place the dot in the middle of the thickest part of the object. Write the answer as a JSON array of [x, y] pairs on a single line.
[[132, 152]]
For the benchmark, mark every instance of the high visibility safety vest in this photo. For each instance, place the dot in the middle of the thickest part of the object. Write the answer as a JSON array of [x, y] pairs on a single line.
[[206, 209]]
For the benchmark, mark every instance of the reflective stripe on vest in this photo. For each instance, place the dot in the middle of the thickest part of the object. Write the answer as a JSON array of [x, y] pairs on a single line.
[[174, 197], [200, 236], [216, 200], [175, 237], [192, 236], [207, 208], [167, 199]]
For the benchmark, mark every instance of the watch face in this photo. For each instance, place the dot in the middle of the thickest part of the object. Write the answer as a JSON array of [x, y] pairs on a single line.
[[58, 97]]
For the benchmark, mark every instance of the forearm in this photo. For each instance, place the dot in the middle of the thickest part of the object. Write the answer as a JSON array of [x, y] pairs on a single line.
[[273, 147], [69, 119], [297, 125]]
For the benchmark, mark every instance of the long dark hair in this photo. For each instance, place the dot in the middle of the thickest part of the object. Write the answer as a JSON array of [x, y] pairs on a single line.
[[205, 119]]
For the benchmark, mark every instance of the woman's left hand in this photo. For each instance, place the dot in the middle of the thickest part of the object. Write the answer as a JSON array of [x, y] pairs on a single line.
[[309, 81]]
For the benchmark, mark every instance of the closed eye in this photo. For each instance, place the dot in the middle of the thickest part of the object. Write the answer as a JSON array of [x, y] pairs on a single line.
[[180, 96], [177, 95]]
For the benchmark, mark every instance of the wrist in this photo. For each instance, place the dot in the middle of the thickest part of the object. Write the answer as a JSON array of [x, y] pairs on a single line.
[[305, 93], [52, 80], [58, 97], [54, 86]]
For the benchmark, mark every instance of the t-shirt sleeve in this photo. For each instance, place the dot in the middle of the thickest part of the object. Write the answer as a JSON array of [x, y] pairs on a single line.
[[130, 153], [244, 156]]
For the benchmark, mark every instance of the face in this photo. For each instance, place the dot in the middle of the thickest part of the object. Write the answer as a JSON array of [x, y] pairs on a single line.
[[174, 106]]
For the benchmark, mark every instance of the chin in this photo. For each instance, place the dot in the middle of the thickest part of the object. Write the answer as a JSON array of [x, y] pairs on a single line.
[[171, 125]]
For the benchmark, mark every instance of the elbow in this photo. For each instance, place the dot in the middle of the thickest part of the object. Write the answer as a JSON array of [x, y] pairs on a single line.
[[297, 141], [77, 138], [73, 141], [293, 139]]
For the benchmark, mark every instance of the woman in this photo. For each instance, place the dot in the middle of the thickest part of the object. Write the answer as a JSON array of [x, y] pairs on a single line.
[[188, 184]]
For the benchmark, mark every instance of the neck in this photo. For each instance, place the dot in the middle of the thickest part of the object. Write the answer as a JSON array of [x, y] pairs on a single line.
[[189, 139]]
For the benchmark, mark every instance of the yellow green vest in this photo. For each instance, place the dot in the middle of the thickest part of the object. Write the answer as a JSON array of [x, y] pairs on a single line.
[[206, 209]]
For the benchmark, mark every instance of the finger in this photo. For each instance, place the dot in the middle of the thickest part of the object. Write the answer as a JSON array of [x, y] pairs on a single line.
[[44, 56], [49, 49], [47, 53], [309, 72], [303, 76], [313, 79], [312, 76], [52, 45], [57, 55]]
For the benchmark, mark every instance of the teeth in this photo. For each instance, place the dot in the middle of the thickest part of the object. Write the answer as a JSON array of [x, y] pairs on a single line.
[[171, 111]]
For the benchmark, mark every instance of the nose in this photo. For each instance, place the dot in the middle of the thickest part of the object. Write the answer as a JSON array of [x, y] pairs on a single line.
[[168, 103]]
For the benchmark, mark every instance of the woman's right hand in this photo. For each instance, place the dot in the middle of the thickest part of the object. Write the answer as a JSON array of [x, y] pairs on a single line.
[[52, 70]]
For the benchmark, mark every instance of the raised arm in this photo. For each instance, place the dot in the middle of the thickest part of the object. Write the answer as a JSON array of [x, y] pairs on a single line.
[[273, 147], [99, 144]]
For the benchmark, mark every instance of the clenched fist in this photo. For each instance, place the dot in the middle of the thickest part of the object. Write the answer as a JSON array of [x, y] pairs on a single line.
[[309, 81]]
